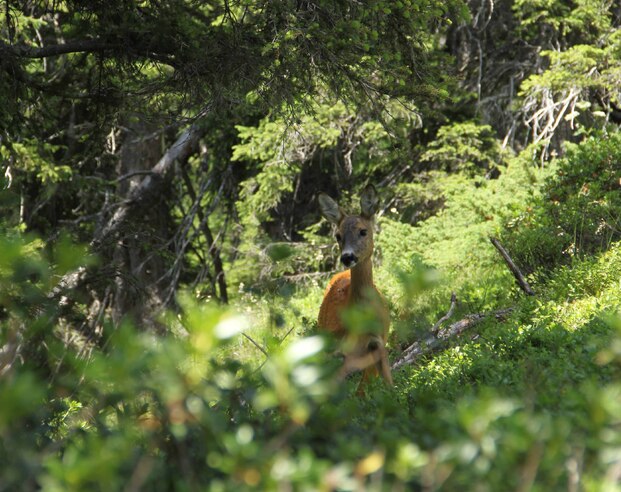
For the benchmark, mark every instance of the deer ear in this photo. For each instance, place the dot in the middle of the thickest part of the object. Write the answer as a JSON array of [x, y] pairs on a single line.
[[330, 209], [369, 201]]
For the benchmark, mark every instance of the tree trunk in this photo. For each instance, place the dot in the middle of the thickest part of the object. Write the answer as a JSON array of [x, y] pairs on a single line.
[[138, 252]]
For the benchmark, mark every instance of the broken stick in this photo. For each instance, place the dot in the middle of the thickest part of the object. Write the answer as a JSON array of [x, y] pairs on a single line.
[[513, 267]]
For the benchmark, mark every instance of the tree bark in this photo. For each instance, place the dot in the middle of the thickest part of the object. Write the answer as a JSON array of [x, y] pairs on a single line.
[[139, 252], [150, 185]]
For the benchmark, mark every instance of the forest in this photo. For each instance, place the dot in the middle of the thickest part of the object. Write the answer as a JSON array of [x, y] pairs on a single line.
[[169, 173]]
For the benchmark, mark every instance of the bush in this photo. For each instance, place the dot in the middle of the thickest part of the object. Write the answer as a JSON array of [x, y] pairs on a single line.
[[579, 212], [455, 241]]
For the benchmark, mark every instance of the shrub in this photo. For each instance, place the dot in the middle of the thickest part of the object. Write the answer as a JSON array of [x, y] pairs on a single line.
[[580, 209]]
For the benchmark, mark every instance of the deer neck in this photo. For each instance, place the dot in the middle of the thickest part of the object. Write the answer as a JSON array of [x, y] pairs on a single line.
[[361, 280]]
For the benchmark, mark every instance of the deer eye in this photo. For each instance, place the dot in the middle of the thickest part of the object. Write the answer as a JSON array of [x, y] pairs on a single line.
[[338, 237], [363, 232]]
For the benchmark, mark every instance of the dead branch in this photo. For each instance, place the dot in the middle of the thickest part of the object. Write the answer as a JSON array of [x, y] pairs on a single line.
[[148, 188], [151, 184], [462, 325], [256, 345], [213, 250], [434, 330], [448, 314], [513, 267], [436, 342]]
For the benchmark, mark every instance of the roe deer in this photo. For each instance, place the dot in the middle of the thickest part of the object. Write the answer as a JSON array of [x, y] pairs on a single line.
[[364, 350]]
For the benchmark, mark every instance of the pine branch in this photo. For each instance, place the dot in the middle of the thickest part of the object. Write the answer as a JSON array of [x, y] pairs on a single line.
[[81, 46]]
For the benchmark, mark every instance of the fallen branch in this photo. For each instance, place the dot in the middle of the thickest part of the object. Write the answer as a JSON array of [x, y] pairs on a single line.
[[434, 329], [513, 267], [462, 325], [436, 341]]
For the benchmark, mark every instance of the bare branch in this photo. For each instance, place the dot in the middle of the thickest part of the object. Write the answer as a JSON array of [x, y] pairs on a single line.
[[462, 325], [415, 347], [256, 345]]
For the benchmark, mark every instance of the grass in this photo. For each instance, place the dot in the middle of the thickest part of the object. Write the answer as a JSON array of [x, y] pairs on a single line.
[[508, 403]]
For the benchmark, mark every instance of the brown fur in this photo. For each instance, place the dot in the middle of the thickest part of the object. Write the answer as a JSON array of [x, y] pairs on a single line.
[[363, 351]]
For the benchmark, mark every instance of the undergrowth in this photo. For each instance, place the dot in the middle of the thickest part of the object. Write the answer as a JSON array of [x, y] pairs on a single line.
[[245, 398]]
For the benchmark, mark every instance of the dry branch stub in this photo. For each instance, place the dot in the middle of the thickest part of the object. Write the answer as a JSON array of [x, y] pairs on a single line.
[[513, 267], [447, 316]]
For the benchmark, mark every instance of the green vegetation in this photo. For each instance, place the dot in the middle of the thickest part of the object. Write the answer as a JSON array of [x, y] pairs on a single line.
[[162, 256]]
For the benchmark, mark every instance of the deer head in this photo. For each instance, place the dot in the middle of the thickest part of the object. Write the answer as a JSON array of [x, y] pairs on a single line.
[[354, 232]]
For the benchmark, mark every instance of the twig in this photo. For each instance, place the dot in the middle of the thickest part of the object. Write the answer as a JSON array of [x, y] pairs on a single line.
[[266, 355], [286, 335], [513, 267], [256, 345]]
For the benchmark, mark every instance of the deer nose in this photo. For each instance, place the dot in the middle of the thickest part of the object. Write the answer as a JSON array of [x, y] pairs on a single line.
[[373, 344], [349, 259]]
